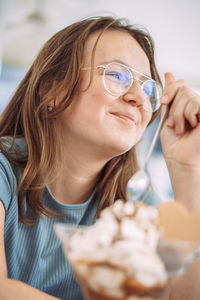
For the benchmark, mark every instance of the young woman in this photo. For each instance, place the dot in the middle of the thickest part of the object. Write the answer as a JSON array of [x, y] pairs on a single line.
[[68, 139]]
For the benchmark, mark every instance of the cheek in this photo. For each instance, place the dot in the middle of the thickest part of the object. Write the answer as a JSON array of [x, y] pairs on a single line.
[[146, 117], [89, 106], [96, 88], [97, 96]]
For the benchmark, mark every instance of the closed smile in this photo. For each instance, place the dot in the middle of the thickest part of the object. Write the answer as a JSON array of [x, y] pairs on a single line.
[[126, 117]]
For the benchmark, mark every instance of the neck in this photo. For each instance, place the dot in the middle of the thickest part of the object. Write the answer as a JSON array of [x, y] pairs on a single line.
[[77, 178]]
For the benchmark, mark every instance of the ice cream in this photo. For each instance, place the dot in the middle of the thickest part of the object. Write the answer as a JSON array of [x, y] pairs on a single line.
[[117, 257]]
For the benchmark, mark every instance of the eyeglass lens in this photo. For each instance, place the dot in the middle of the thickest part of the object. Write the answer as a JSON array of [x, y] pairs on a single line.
[[118, 79]]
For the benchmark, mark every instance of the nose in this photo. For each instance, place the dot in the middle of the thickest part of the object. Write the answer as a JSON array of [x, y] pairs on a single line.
[[135, 94]]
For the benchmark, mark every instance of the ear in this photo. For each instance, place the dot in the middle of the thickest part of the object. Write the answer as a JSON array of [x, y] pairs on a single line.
[[47, 93]]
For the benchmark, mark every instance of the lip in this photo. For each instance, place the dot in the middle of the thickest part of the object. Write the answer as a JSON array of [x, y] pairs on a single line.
[[125, 116]]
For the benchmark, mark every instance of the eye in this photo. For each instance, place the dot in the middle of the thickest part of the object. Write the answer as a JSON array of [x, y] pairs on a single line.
[[115, 75], [149, 88]]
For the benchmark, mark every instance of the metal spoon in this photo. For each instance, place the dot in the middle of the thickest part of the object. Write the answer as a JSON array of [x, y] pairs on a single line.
[[139, 183]]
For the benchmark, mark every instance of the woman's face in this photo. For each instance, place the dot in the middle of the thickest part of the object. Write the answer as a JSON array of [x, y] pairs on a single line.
[[97, 121]]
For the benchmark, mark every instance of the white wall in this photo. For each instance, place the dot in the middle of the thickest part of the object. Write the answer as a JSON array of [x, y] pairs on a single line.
[[174, 25]]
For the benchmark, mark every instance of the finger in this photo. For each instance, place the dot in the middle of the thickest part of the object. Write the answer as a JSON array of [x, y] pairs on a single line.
[[176, 118], [169, 120], [177, 111], [192, 113], [172, 89], [167, 97], [169, 78]]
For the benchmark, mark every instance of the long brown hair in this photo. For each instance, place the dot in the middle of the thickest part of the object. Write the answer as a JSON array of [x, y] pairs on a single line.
[[27, 114]]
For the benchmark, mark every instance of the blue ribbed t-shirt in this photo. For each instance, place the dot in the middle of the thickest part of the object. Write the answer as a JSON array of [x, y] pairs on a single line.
[[34, 254]]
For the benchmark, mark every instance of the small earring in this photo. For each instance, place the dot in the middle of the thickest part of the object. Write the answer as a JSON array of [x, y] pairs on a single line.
[[50, 108]]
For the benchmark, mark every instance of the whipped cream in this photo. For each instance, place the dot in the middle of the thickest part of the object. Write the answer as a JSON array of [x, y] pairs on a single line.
[[119, 246]]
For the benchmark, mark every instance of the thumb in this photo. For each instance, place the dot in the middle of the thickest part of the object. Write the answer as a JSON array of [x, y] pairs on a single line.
[[169, 78]]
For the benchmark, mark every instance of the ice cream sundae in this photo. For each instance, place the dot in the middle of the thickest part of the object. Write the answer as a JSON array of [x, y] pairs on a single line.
[[117, 257]]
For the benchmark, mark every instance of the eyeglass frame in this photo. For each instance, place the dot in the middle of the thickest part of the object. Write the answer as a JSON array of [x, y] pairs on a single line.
[[132, 79]]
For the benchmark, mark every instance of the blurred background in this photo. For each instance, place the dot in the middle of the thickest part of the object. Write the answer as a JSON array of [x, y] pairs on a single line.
[[174, 25]]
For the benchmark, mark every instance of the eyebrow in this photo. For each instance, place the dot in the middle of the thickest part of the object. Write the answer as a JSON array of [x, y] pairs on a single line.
[[125, 64]]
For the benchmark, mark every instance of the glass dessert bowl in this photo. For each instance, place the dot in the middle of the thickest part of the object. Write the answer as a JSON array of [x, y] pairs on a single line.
[[126, 254]]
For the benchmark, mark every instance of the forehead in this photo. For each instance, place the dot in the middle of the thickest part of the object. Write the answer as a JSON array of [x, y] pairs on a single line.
[[116, 45]]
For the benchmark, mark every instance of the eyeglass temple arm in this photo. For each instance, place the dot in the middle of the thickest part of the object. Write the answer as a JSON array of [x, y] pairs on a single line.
[[89, 68]]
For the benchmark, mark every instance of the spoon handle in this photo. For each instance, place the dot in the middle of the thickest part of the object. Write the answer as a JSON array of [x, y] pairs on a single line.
[[156, 135]]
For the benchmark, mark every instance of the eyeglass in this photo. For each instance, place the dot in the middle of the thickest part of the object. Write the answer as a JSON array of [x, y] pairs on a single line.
[[118, 78]]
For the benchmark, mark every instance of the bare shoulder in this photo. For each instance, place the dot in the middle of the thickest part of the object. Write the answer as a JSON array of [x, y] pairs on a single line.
[[2, 212], [3, 267], [2, 217]]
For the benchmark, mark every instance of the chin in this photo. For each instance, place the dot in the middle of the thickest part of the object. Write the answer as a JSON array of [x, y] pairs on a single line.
[[120, 149], [114, 146], [125, 144]]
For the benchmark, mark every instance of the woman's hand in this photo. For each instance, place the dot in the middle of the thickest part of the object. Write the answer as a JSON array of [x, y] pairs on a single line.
[[180, 136]]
